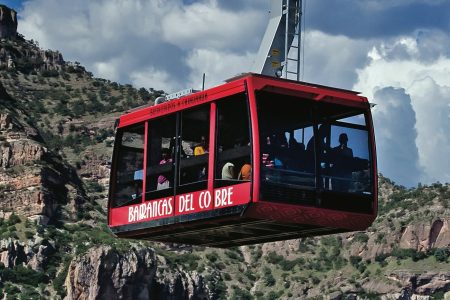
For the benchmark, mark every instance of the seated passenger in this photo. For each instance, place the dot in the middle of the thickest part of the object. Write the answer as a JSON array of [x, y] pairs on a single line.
[[163, 182], [228, 171], [280, 148], [266, 149], [201, 148], [246, 172]]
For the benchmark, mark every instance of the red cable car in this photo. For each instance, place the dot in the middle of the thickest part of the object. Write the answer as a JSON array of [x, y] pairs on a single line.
[[253, 160]]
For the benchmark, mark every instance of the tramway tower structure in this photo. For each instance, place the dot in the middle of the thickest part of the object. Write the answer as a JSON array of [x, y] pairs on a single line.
[[280, 49]]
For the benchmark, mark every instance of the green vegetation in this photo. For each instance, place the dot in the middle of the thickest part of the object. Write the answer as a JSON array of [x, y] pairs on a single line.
[[21, 274]]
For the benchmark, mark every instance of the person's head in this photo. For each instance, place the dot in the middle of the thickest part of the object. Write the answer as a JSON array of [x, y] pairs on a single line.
[[246, 172], [343, 139], [228, 171], [165, 153]]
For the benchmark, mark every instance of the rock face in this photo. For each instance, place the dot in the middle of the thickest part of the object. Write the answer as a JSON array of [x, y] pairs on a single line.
[[41, 60], [8, 22], [103, 273], [423, 237], [425, 283], [20, 152], [34, 254], [33, 182]]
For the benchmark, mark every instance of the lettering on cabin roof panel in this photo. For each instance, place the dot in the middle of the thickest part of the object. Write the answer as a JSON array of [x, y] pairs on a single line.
[[178, 103], [184, 204]]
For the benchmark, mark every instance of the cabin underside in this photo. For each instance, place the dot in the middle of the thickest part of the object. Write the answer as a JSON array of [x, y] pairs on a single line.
[[230, 231]]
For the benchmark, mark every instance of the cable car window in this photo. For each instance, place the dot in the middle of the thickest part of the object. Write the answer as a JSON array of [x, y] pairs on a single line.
[[160, 157], [194, 150], [345, 164], [129, 166], [287, 148], [233, 163]]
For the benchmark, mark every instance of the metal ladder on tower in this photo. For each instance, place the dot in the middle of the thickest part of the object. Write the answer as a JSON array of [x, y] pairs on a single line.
[[281, 39], [292, 33]]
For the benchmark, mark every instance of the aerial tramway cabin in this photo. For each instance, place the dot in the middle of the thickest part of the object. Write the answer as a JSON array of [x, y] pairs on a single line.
[[255, 159]]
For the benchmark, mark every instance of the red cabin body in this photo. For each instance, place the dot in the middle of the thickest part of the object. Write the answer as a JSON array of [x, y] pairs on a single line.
[[253, 160]]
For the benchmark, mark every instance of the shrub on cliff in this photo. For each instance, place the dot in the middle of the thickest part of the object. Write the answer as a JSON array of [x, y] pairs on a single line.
[[13, 219], [442, 254]]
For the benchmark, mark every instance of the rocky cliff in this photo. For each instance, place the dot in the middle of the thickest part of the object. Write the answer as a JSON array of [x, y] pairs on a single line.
[[138, 273], [33, 181], [8, 22]]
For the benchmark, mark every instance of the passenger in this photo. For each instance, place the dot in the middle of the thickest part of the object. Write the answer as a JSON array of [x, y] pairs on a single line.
[[267, 153], [139, 172], [246, 172], [342, 165], [323, 150], [280, 147], [202, 148], [322, 134], [163, 182], [228, 171], [134, 166], [296, 155]]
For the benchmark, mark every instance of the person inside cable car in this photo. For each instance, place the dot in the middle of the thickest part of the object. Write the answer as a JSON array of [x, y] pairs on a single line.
[[228, 171], [163, 181], [280, 149], [245, 173], [267, 152], [201, 148], [296, 157], [342, 165], [131, 177]]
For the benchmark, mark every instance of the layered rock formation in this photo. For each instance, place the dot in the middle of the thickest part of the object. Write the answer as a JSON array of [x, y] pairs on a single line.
[[425, 236], [32, 182], [104, 273]]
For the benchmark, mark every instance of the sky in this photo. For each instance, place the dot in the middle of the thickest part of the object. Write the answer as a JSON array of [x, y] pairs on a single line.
[[396, 53]]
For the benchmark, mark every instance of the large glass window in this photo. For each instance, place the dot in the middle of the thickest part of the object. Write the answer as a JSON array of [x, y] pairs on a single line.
[[287, 144], [194, 149], [161, 157], [233, 142], [129, 166], [344, 154], [309, 147]]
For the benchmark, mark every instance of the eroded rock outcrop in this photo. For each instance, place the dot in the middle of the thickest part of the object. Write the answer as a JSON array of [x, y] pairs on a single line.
[[8, 22], [20, 152], [33, 181], [104, 273], [425, 236], [34, 254]]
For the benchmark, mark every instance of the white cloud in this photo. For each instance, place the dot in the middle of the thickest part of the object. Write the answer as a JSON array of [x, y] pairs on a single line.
[[129, 41], [394, 122], [218, 66], [333, 60], [205, 25], [427, 82], [433, 125], [150, 77]]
